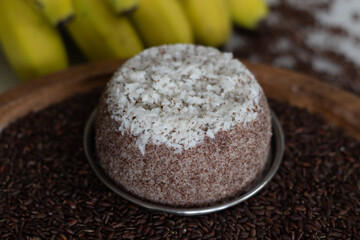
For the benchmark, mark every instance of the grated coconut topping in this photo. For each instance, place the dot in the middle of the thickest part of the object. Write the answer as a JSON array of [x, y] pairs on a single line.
[[179, 94]]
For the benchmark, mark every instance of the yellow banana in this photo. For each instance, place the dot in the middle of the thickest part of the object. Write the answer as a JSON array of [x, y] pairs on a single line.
[[32, 46], [100, 34], [162, 22], [210, 20], [123, 6], [56, 11], [247, 13]]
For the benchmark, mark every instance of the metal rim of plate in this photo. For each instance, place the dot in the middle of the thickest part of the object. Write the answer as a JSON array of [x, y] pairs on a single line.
[[277, 151]]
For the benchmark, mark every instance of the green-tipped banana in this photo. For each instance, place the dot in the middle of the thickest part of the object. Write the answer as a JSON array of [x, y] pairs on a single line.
[[123, 6], [32, 46], [56, 11], [247, 13], [100, 34], [162, 22], [210, 21]]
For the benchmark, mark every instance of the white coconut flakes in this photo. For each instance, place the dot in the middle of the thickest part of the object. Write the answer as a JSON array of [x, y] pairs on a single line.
[[179, 94]]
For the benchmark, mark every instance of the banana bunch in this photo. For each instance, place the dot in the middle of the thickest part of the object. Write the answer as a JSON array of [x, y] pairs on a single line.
[[209, 19], [162, 22], [100, 34], [123, 6], [247, 13], [56, 11], [111, 29], [31, 44]]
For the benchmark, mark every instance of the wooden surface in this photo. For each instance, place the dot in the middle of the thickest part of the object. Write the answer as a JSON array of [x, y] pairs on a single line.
[[299, 90]]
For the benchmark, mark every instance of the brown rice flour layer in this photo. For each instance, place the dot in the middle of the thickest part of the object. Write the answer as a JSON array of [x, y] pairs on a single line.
[[183, 125]]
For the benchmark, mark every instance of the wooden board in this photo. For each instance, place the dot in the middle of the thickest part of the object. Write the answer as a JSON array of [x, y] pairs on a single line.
[[299, 90]]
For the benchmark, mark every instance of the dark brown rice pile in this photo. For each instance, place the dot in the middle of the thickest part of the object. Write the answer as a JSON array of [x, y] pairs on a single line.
[[48, 190]]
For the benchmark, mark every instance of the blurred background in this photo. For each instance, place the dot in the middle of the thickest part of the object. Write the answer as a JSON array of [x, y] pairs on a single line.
[[319, 38]]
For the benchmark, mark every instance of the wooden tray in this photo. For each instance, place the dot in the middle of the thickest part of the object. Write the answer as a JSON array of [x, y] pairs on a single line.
[[299, 90]]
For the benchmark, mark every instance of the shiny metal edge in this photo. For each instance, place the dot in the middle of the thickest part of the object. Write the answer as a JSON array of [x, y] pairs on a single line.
[[278, 146]]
